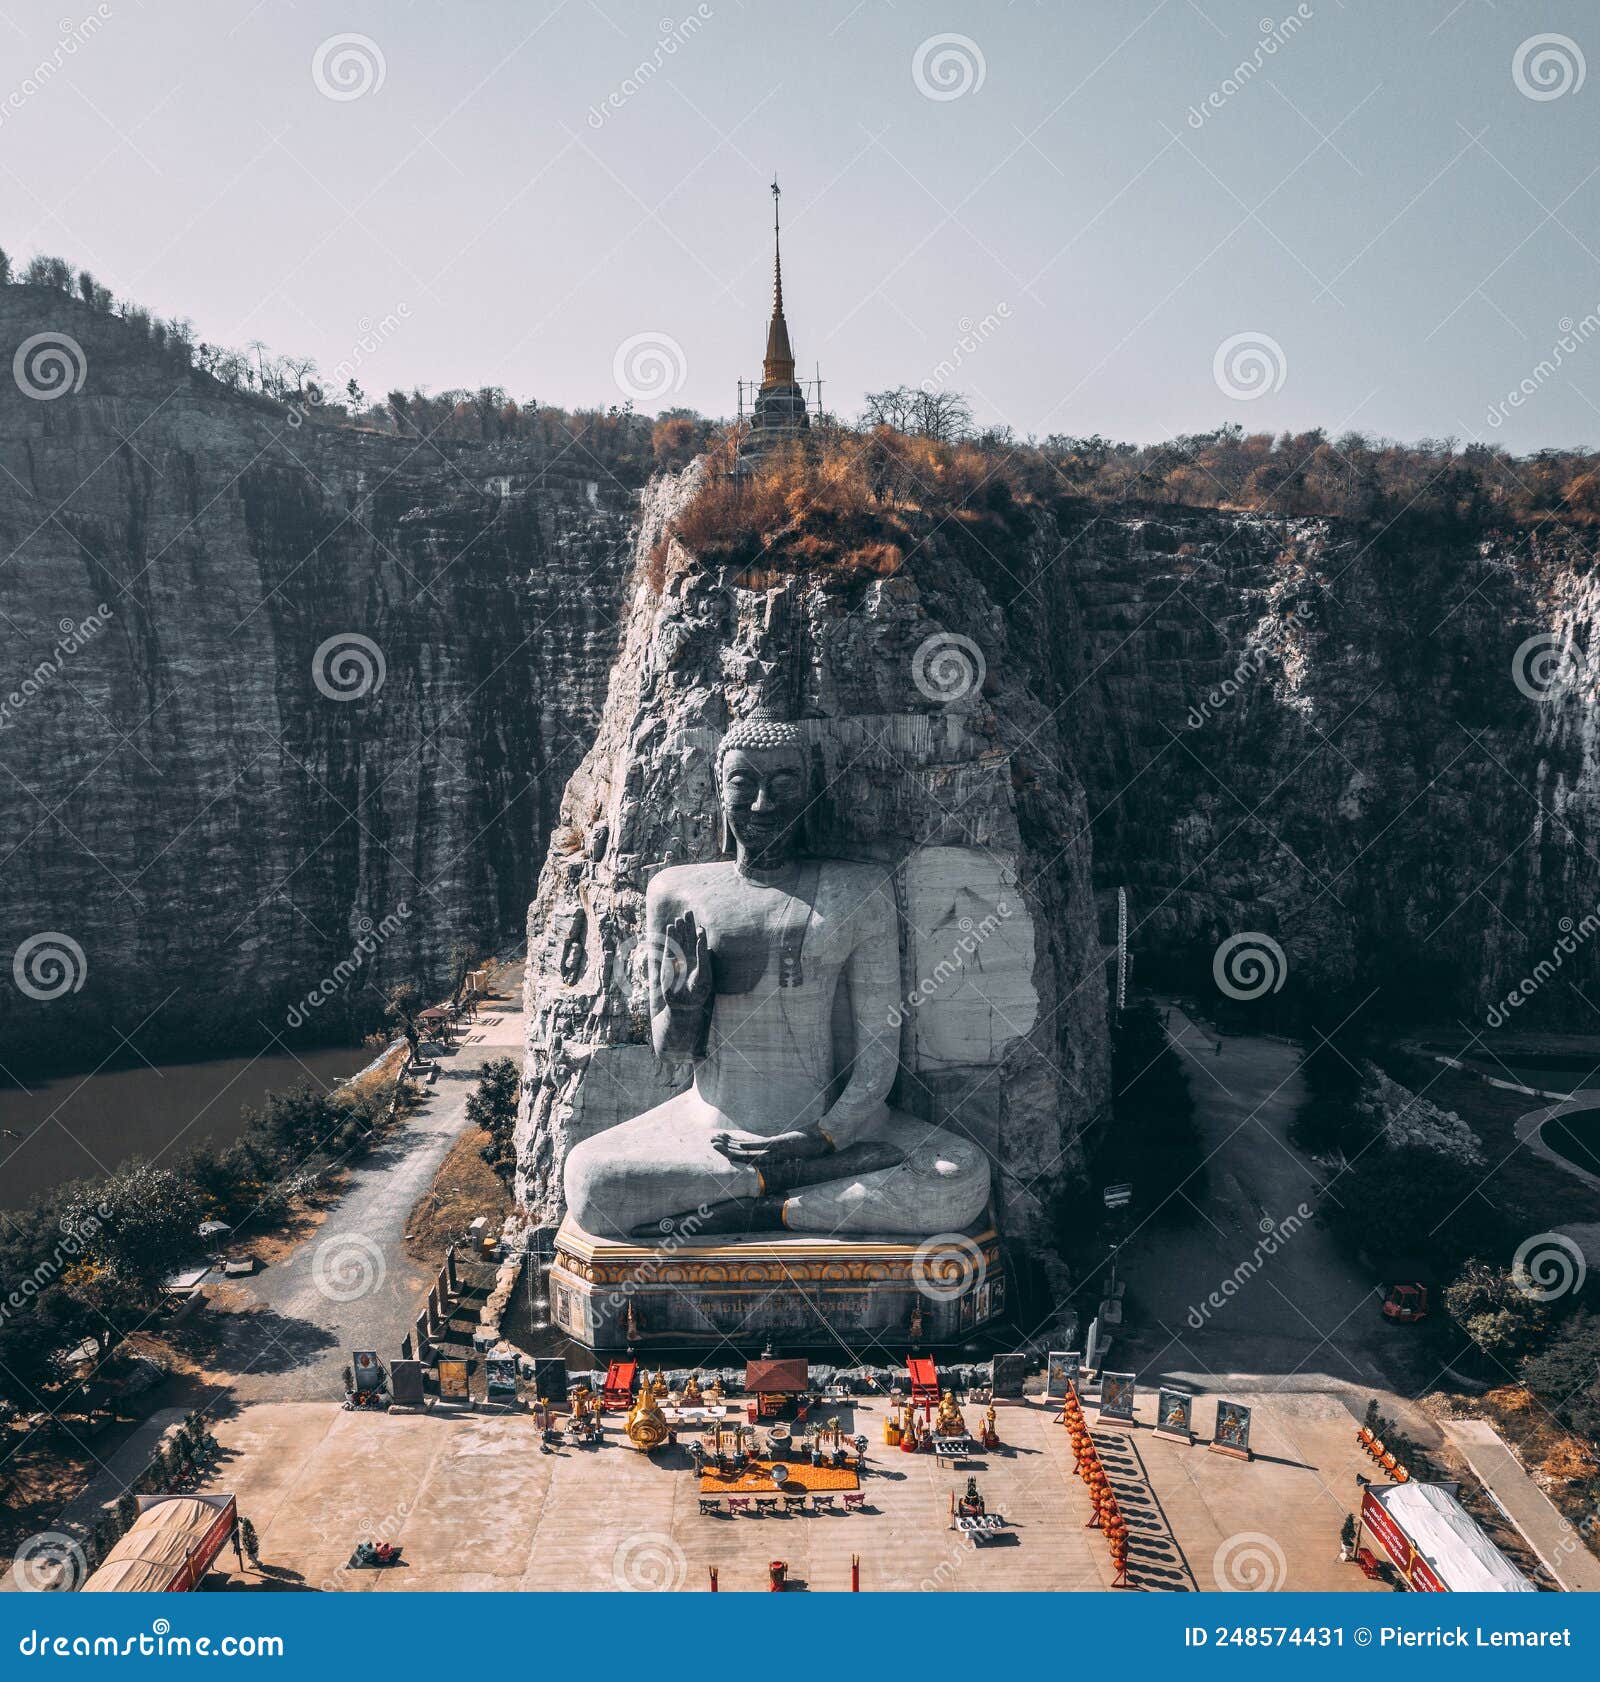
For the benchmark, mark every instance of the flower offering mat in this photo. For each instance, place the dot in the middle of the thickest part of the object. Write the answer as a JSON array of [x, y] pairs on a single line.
[[803, 1479]]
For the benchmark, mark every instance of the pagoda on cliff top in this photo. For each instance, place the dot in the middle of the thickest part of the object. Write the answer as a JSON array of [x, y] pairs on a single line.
[[780, 410]]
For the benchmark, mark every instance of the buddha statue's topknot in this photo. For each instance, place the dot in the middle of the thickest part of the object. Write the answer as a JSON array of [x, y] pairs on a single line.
[[760, 731]]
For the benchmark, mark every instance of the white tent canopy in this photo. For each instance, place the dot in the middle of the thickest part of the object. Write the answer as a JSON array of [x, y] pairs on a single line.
[[1452, 1543]]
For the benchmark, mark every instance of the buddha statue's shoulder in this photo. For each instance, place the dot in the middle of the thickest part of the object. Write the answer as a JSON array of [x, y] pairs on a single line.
[[683, 884], [854, 889], [858, 876]]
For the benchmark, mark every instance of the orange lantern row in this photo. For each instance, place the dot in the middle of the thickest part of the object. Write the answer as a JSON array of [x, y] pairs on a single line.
[[1106, 1514], [1373, 1447]]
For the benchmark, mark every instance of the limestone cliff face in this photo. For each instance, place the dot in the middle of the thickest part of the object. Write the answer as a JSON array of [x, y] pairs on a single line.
[[180, 797], [918, 699], [1329, 736]]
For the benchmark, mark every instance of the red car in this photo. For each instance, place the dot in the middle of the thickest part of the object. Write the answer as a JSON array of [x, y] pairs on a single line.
[[1406, 1304]]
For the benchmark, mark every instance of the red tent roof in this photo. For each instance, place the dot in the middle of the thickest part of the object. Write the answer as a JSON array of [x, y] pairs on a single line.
[[784, 1378]]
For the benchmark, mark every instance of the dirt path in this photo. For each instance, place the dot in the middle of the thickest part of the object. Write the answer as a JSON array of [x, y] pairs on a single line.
[[351, 1284], [1253, 1292]]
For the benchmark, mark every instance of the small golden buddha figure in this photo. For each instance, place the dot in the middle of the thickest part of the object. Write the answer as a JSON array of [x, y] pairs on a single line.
[[948, 1422], [646, 1429], [717, 1392], [659, 1384], [691, 1391]]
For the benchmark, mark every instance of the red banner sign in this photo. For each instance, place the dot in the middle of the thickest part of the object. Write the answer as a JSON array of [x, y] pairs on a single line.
[[1394, 1539]]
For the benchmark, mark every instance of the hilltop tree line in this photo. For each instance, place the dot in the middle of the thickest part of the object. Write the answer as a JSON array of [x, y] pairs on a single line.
[[1438, 481]]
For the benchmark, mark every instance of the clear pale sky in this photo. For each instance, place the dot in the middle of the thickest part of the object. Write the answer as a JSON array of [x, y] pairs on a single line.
[[1380, 200]]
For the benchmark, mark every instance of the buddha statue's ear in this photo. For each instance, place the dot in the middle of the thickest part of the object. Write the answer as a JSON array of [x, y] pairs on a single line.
[[716, 791]]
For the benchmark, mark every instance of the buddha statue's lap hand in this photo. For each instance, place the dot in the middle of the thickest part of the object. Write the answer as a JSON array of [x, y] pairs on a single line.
[[799, 1144]]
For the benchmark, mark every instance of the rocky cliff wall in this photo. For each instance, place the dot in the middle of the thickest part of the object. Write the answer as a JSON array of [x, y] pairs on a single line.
[[918, 699], [1377, 747], [217, 814], [1287, 727]]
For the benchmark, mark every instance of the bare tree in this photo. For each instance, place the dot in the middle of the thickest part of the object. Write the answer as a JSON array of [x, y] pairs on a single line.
[[892, 406], [942, 415]]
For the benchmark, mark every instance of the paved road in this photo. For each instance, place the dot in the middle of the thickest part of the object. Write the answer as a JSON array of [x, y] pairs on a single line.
[[1550, 1536], [1252, 1291], [351, 1284]]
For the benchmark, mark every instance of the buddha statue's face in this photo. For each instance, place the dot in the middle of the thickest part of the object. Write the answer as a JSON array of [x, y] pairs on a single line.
[[763, 793]]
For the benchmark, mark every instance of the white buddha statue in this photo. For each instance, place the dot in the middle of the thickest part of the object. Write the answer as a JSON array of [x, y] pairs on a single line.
[[761, 968]]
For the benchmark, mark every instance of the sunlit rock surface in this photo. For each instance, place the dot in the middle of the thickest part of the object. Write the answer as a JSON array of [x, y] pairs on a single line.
[[1003, 1023]]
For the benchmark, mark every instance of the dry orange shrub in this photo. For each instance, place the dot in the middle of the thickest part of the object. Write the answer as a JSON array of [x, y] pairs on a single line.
[[851, 503], [1569, 1460]]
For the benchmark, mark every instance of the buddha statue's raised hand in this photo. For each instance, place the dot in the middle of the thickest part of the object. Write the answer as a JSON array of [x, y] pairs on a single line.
[[684, 962]]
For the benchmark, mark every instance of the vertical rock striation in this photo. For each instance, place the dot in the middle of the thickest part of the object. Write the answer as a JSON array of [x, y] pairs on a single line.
[[181, 798], [1377, 746]]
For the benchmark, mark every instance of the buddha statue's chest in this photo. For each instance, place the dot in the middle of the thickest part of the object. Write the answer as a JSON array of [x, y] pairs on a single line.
[[763, 937]]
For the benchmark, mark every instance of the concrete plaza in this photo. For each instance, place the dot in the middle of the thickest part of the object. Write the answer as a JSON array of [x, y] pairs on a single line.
[[476, 1504]]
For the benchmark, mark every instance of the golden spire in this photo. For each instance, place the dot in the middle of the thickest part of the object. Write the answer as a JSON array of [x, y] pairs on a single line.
[[778, 366]]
